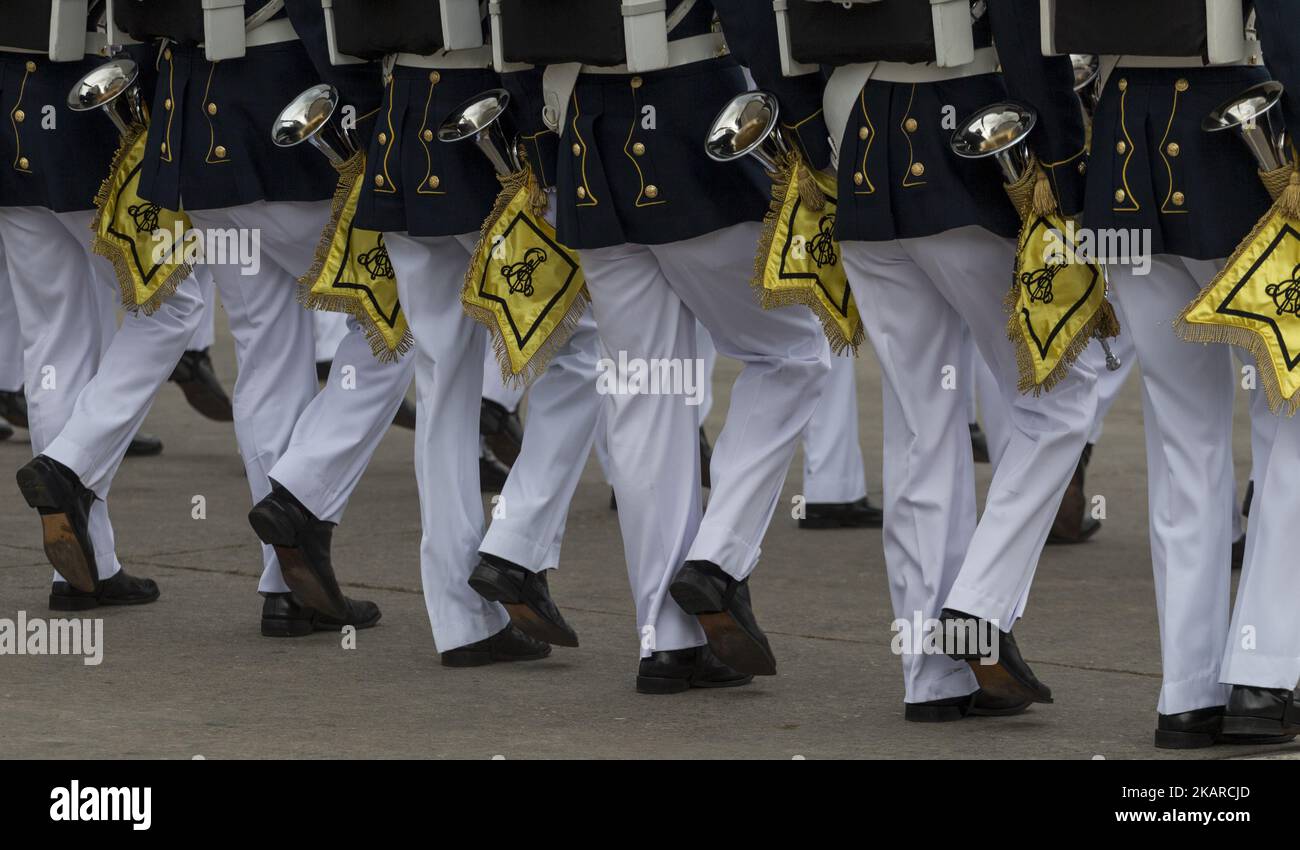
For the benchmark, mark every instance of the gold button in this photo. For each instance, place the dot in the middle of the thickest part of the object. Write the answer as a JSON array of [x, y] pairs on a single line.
[[163, 148], [427, 135], [863, 132], [582, 193], [652, 191], [24, 163], [577, 149], [167, 104], [20, 116], [220, 151], [167, 54], [1182, 84], [1173, 149], [636, 82], [383, 138], [918, 168], [638, 149], [1121, 147], [434, 182], [910, 125], [1120, 196], [859, 178], [379, 180], [1083, 168], [1179, 199], [31, 66], [1123, 85], [212, 109], [435, 78]]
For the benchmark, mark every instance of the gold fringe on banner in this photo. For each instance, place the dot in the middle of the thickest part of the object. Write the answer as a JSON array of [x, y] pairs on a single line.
[[135, 291], [1202, 321], [815, 192], [522, 195]]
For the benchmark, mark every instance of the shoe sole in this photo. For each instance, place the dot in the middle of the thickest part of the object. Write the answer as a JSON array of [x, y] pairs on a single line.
[[734, 646], [287, 628], [1245, 729], [486, 657], [998, 681], [1055, 540], [208, 405], [1170, 740], [152, 451], [65, 551], [976, 711], [916, 713], [661, 685], [275, 531], [495, 587], [85, 603]]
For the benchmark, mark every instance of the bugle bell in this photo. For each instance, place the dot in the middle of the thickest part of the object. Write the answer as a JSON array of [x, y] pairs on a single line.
[[1258, 121], [1087, 69], [115, 88], [485, 119], [748, 126], [314, 116]]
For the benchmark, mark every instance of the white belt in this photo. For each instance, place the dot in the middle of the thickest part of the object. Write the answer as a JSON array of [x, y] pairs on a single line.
[[474, 57], [1254, 56], [272, 32], [985, 62], [683, 51]]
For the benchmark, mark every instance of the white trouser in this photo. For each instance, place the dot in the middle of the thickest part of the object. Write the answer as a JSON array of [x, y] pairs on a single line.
[[337, 434], [11, 340], [647, 299], [708, 353], [563, 408], [328, 329], [449, 385], [969, 366], [206, 333], [1187, 395], [274, 344], [914, 295], [833, 470], [494, 386]]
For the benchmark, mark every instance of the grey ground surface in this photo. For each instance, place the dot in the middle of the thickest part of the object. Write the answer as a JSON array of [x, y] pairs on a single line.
[[190, 675]]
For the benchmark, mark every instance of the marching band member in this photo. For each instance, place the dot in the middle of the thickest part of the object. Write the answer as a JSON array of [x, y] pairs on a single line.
[[50, 174], [1154, 169], [667, 237], [926, 242]]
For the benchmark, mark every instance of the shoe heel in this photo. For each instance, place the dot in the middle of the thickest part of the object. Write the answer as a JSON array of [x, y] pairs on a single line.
[[1246, 727], [286, 628], [466, 659], [696, 595], [1167, 740], [59, 602], [493, 585], [34, 489], [660, 685], [272, 527]]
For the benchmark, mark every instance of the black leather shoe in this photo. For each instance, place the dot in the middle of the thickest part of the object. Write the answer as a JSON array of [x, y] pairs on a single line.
[[509, 644], [859, 514], [706, 458], [282, 616], [13, 407], [525, 596], [979, 704], [118, 589], [723, 607], [302, 545], [64, 505], [196, 378], [677, 670], [1261, 712], [502, 430], [492, 473], [1008, 679], [144, 445], [979, 443], [405, 416], [6, 430], [1239, 552], [1203, 727], [1074, 522]]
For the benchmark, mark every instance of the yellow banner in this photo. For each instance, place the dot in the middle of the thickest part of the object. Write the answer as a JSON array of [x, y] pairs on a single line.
[[136, 236], [353, 273], [798, 258], [1057, 302], [525, 286], [1254, 303]]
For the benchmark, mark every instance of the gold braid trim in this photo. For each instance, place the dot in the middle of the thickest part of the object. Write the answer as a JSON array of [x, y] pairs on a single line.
[[1243, 337], [538, 201], [1283, 186], [772, 299], [115, 255]]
